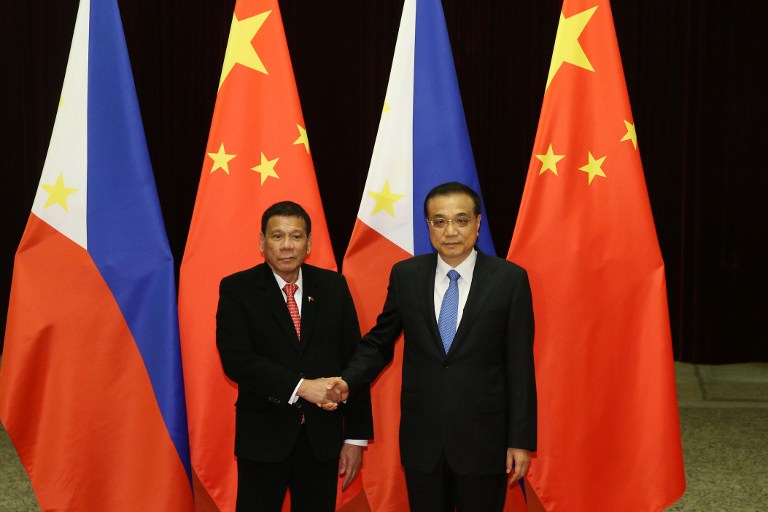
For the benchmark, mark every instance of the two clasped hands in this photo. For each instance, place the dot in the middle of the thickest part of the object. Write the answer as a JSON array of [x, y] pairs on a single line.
[[326, 392]]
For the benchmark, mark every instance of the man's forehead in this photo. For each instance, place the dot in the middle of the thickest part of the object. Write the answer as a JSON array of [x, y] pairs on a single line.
[[286, 223], [454, 203]]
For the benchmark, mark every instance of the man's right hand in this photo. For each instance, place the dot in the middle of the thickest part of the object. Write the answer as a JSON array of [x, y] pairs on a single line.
[[338, 389], [320, 392]]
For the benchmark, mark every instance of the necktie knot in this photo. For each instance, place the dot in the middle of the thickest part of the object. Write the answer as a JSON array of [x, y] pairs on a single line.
[[290, 289], [453, 275]]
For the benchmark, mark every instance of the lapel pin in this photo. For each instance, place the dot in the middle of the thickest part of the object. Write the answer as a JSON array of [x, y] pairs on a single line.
[[310, 298]]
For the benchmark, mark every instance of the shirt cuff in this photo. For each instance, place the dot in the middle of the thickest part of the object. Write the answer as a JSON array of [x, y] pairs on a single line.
[[294, 397], [357, 442]]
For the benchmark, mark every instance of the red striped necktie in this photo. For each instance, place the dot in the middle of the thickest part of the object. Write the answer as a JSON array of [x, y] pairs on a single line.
[[293, 309]]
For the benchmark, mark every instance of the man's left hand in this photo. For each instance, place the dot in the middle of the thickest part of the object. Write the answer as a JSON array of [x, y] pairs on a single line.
[[517, 463], [350, 460]]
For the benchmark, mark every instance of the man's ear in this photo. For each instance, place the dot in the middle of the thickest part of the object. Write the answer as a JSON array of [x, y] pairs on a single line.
[[261, 242]]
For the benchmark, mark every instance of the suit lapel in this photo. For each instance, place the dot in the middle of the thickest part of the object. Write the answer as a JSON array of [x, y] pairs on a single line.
[[308, 306], [276, 303], [427, 271], [482, 284]]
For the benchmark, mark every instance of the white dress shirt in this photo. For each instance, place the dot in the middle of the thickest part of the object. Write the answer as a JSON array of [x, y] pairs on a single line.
[[465, 269]]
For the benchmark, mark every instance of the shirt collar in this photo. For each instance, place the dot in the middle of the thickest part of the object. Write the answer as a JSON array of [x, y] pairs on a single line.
[[282, 282], [464, 268]]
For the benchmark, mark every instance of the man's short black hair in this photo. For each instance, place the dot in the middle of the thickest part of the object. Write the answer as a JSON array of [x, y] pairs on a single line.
[[285, 209], [450, 188]]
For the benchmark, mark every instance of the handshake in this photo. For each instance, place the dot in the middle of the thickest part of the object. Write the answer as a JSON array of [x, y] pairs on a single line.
[[326, 392]]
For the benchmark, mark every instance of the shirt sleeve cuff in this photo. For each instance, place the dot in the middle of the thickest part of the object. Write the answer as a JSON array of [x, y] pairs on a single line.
[[294, 397]]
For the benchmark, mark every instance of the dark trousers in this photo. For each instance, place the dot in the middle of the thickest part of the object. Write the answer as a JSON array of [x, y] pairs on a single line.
[[443, 490], [312, 484]]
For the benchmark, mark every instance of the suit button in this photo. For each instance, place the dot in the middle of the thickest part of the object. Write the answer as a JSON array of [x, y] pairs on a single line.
[[298, 406]]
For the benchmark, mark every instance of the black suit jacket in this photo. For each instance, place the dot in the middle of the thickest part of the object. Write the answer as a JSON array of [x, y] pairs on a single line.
[[261, 352], [480, 398]]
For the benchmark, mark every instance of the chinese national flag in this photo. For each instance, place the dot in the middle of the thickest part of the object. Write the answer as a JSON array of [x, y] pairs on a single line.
[[257, 155], [609, 436]]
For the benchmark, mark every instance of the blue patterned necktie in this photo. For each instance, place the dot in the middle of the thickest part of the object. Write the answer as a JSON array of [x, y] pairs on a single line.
[[449, 311]]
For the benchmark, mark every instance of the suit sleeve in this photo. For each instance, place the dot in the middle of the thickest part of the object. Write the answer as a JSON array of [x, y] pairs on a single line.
[[241, 363], [377, 348], [358, 417], [520, 366]]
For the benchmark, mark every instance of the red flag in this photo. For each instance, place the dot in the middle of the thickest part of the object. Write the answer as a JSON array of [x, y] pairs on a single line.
[[257, 154], [609, 436]]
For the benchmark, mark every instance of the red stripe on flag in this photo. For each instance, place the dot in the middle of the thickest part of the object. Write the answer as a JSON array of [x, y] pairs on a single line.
[[367, 264], [75, 396]]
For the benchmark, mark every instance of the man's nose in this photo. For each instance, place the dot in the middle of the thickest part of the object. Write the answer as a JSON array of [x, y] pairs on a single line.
[[450, 229]]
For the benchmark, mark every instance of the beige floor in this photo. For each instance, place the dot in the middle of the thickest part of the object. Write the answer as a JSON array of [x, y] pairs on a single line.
[[724, 423]]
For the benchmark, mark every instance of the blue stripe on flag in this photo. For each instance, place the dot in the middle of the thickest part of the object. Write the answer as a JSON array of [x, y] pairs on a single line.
[[126, 234], [441, 147]]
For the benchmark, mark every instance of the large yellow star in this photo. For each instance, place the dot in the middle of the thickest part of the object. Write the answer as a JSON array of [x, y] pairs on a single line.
[[239, 47], [567, 47], [631, 134], [266, 168], [221, 159], [593, 168], [302, 138], [57, 193], [385, 200], [549, 161]]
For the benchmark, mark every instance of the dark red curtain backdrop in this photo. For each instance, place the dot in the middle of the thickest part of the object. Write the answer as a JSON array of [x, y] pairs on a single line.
[[693, 72]]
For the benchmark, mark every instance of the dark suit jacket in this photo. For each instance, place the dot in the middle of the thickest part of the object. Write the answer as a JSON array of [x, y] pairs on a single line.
[[261, 352], [480, 398]]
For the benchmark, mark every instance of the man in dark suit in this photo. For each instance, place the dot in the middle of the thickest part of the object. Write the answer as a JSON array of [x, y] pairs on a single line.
[[468, 403], [281, 327]]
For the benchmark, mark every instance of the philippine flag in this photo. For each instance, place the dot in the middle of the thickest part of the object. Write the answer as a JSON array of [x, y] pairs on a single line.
[[91, 392], [422, 142]]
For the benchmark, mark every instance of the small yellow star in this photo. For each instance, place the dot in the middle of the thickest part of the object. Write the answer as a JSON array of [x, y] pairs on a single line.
[[385, 200], [631, 134], [221, 159], [239, 46], [549, 161], [567, 47], [58, 193], [385, 109], [302, 138], [593, 168], [266, 168]]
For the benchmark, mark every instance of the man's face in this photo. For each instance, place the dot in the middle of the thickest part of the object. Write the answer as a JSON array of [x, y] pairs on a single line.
[[453, 242], [285, 245]]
